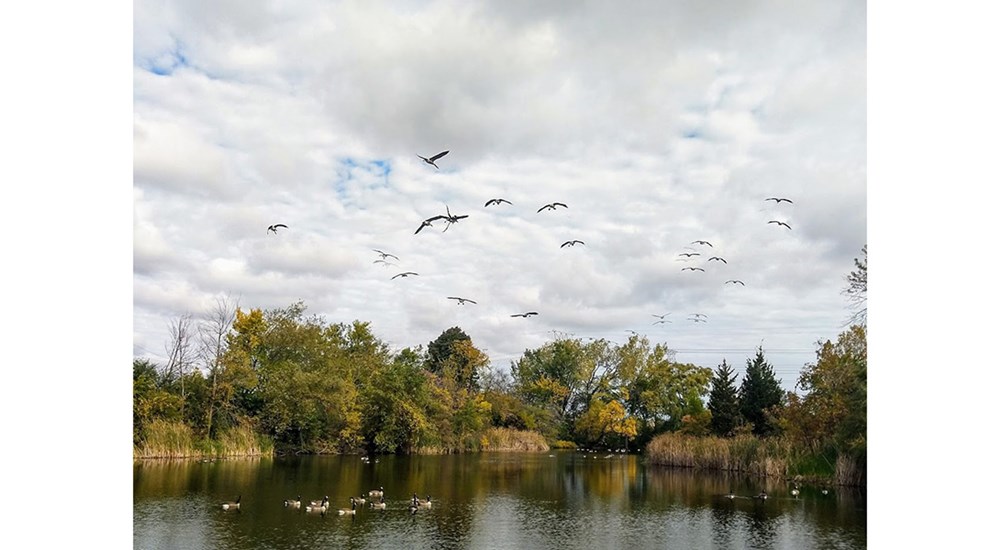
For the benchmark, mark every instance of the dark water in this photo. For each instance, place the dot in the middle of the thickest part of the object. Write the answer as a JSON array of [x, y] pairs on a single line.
[[492, 500]]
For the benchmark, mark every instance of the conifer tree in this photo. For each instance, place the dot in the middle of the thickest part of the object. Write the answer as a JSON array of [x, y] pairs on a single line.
[[723, 401], [759, 392]]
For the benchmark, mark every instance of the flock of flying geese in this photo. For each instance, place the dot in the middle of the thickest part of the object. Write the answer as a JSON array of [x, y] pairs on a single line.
[[449, 219], [375, 500]]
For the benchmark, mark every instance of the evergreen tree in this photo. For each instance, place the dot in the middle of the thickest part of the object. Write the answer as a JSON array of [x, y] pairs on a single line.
[[759, 392], [439, 350], [723, 401]]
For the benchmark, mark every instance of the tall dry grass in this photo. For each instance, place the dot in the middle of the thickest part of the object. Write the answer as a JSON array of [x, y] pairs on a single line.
[[743, 454], [166, 439]]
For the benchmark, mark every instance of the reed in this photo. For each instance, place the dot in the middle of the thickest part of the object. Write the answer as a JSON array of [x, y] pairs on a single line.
[[167, 439], [741, 454], [851, 470], [509, 439]]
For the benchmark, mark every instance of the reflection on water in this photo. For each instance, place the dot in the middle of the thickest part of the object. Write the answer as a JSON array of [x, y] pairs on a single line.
[[489, 500]]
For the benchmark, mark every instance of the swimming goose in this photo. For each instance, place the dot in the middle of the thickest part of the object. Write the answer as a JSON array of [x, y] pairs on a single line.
[[294, 503], [795, 492], [349, 511], [380, 505], [421, 502], [360, 500], [318, 505], [377, 492], [235, 505], [762, 495]]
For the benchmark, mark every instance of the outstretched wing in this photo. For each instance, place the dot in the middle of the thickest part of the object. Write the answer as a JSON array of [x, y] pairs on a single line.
[[281, 225], [559, 204], [439, 155]]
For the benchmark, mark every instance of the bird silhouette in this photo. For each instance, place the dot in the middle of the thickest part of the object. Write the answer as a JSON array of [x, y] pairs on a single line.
[[660, 316], [698, 320], [780, 223], [692, 269], [386, 263], [702, 242], [404, 274], [428, 222], [698, 314], [461, 301], [552, 206], [274, 228], [735, 282], [723, 260], [778, 200], [385, 255], [496, 201], [435, 157], [525, 314], [661, 321], [451, 218], [689, 254], [571, 243]]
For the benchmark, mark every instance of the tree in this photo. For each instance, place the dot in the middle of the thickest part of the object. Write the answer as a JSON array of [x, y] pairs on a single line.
[[760, 394], [724, 402], [857, 290], [213, 331], [180, 354], [834, 408]]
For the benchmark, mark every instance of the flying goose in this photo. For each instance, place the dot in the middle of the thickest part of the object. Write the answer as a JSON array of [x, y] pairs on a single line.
[[385, 255], [574, 242], [692, 269], [689, 254], [234, 505], [435, 157], [660, 316], [552, 206], [525, 314], [698, 314], [735, 282], [702, 242], [661, 321], [404, 274], [723, 260], [461, 301], [428, 222], [497, 201], [780, 223], [274, 228], [777, 200]]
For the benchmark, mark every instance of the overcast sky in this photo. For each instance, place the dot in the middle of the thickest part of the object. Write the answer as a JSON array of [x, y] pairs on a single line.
[[658, 125]]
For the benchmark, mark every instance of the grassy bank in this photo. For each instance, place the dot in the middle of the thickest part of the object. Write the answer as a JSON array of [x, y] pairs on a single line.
[[749, 455], [164, 439], [509, 439]]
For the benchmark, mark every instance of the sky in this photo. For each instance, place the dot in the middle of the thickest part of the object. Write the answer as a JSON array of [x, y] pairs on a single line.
[[657, 126]]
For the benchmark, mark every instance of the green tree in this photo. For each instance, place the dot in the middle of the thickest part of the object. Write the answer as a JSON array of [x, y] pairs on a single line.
[[723, 401], [447, 352], [834, 408], [395, 405], [760, 395]]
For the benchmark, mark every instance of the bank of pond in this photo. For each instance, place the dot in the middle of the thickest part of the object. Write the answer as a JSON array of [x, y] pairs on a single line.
[[773, 457]]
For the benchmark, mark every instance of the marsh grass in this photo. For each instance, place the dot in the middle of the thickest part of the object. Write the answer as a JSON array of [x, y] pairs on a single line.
[[745, 454], [509, 439], [166, 439]]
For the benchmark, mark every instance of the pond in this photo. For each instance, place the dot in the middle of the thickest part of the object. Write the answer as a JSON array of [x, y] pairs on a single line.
[[558, 499]]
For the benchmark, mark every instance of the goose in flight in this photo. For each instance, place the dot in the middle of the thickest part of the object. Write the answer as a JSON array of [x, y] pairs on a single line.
[[496, 201], [552, 206], [780, 223], [385, 255], [689, 254], [661, 321], [660, 316], [574, 242], [428, 222], [404, 274], [778, 200], [461, 301], [723, 260], [435, 157], [735, 282], [697, 320], [698, 315], [274, 228], [692, 269], [384, 262], [450, 218], [525, 314], [702, 242]]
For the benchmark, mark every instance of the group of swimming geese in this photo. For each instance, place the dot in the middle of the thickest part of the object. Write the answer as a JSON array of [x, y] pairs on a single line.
[[323, 506]]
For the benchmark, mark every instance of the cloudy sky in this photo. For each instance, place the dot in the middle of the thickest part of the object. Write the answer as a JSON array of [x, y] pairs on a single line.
[[657, 125]]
